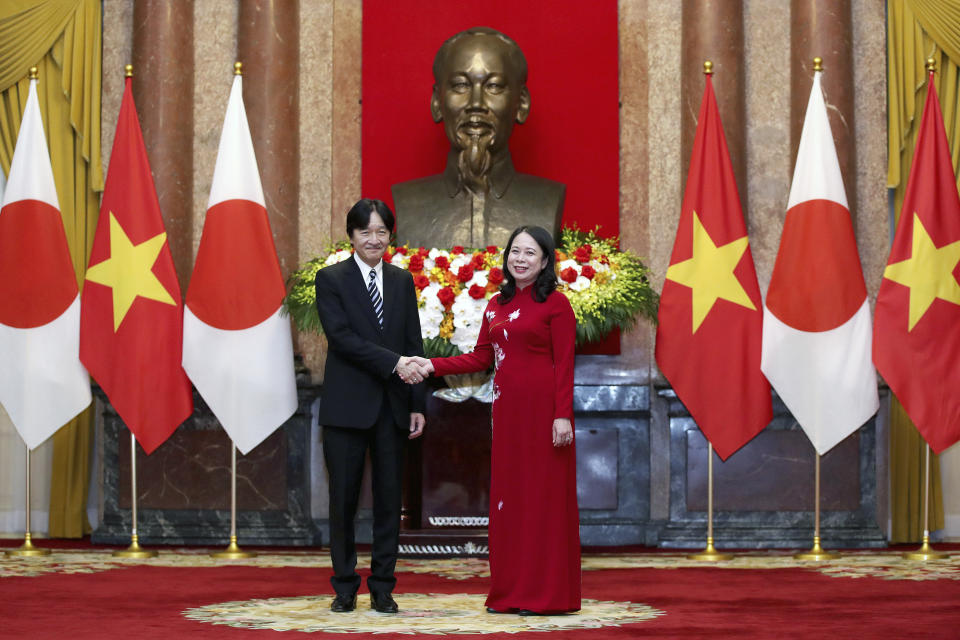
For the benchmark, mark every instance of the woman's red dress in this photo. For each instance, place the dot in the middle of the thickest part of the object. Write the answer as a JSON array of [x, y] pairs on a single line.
[[534, 527]]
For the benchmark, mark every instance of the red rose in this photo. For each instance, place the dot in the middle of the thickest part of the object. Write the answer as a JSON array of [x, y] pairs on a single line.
[[477, 261], [402, 250], [446, 296], [388, 257], [569, 275], [588, 272], [423, 251], [582, 254], [492, 248], [421, 281], [477, 292], [457, 250], [465, 273], [442, 262], [416, 263], [495, 276]]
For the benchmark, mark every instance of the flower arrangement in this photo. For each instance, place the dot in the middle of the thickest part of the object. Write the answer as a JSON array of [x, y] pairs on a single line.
[[607, 288]]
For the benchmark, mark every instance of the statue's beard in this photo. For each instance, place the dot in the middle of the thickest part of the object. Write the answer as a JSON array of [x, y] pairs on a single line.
[[474, 163]]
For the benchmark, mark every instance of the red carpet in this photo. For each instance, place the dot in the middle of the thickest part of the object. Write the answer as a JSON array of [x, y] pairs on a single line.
[[88, 594]]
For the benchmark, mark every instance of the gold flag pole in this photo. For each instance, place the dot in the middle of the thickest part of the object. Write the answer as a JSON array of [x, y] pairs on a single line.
[[233, 550], [27, 549], [710, 554], [134, 550], [817, 552], [926, 552]]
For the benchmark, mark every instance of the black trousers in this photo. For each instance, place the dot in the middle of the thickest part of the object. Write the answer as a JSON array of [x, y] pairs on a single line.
[[344, 450]]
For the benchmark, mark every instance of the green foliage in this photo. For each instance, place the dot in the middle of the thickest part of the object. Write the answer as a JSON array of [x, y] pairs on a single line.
[[617, 302]]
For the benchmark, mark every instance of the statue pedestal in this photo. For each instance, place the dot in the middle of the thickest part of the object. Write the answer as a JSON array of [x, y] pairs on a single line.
[[450, 474]]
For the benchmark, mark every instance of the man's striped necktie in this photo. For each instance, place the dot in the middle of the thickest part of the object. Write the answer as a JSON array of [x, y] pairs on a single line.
[[375, 296]]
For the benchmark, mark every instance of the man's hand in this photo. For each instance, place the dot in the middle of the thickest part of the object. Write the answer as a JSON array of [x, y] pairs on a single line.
[[562, 432], [426, 367], [417, 421], [409, 371]]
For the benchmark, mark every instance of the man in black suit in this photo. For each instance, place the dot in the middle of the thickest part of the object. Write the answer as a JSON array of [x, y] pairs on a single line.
[[368, 310]]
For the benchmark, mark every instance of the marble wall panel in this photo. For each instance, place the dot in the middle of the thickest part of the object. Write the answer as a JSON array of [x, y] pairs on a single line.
[[767, 61], [117, 52], [215, 51], [316, 148]]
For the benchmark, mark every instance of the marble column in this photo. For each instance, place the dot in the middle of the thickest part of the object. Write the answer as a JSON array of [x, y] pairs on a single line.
[[163, 63], [345, 167], [268, 44], [824, 28], [713, 30]]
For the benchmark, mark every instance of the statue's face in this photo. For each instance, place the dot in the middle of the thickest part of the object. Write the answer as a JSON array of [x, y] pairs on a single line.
[[478, 94]]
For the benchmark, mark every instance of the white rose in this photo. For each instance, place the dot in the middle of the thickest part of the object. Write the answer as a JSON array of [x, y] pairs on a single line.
[[568, 263], [580, 283], [458, 262]]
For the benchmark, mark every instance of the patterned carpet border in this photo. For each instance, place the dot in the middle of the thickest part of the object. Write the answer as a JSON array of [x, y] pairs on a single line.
[[852, 564]]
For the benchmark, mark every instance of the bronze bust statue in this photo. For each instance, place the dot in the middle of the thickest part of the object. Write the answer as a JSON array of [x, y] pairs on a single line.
[[480, 78]]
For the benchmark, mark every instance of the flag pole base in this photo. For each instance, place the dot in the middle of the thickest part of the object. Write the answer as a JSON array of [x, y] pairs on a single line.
[[27, 550], [135, 550], [817, 553], [233, 552], [925, 553], [710, 554]]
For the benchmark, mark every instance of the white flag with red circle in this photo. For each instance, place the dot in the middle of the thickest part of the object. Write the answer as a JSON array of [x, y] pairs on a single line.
[[43, 385], [237, 345], [816, 320]]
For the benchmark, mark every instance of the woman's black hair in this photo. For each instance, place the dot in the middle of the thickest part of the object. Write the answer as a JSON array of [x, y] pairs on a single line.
[[546, 282], [359, 215]]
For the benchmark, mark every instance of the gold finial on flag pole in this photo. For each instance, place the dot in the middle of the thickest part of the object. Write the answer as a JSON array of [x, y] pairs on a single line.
[[238, 68], [128, 71], [931, 65], [708, 68], [818, 64], [33, 73]]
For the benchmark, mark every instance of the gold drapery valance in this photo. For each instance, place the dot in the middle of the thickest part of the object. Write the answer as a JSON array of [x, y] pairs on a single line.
[[62, 39], [917, 30]]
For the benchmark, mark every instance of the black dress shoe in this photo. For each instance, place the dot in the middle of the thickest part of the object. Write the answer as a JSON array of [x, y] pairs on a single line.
[[382, 602], [492, 610], [528, 612], [344, 603]]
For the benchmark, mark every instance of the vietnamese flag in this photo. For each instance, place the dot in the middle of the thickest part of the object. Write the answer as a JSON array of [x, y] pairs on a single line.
[[131, 320], [916, 340], [42, 382], [237, 343], [816, 322], [710, 319]]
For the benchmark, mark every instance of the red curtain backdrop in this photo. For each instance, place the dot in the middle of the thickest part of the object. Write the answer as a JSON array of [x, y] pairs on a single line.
[[572, 134]]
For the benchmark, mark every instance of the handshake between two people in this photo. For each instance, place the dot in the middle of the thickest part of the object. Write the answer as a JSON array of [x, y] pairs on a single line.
[[413, 369]]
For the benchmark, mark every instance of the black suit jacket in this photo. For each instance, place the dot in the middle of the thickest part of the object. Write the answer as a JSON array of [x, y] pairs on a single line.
[[358, 376]]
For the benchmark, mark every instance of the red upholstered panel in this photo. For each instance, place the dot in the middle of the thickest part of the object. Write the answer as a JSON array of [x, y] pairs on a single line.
[[572, 134]]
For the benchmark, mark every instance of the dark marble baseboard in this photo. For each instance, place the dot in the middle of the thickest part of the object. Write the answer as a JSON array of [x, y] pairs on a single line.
[[183, 487]]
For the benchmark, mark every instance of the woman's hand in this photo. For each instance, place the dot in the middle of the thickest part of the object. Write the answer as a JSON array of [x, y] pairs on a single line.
[[562, 432]]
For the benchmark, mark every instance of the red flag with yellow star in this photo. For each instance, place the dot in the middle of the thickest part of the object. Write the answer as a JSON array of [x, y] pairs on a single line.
[[711, 315], [916, 337], [131, 318]]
